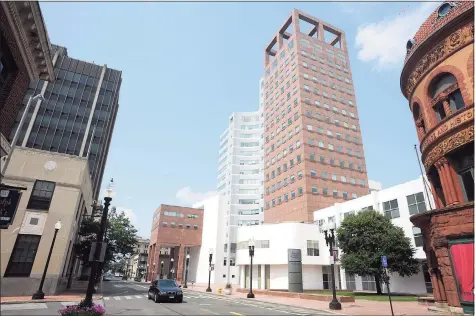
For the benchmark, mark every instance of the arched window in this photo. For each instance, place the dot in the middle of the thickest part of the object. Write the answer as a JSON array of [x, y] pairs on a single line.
[[453, 102], [416, 113]]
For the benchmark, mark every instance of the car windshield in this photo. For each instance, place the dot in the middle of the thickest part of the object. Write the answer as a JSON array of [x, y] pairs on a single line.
[[166, 283]]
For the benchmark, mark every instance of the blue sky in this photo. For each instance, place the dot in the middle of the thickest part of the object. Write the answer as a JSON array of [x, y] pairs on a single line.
[[187, 66]]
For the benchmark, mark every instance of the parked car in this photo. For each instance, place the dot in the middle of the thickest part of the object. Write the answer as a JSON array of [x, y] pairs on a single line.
[[165, 290]]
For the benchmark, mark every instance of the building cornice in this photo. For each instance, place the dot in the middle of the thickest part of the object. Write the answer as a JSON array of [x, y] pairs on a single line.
[[30, 34], [435, 49]]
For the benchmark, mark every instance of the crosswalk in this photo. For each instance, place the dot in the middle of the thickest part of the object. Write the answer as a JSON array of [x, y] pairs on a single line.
[[257, 304]]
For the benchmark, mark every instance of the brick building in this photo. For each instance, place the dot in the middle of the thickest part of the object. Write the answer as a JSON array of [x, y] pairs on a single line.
[[313, 149], [176, 232], [437, 79], [25, 54]]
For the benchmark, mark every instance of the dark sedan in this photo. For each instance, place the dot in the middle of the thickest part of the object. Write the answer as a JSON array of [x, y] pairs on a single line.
[[165, 290]]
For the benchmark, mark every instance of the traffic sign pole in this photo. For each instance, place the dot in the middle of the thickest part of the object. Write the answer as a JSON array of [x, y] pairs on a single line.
[[384, 262]]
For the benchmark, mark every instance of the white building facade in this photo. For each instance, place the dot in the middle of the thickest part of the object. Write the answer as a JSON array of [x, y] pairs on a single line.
[[240, 185], [272, 241]]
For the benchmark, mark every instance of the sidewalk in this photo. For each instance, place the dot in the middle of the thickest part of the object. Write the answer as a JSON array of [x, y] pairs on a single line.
[[360, 307], [54, 298]]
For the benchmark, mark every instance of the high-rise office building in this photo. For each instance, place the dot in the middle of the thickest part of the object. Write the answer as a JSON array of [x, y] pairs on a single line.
[[313, 150], [79, 106], [240, 179]]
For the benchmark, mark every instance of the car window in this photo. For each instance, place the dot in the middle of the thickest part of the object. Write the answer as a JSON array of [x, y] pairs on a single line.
[[166, 283]]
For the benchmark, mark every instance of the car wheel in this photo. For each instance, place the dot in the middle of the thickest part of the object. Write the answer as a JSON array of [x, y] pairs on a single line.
[[155, 298], [148, 295]]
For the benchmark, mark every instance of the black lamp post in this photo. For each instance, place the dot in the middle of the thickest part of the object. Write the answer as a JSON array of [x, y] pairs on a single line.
[[187, 262], [153, 272], [209, 275], [100, 238], [161, 270], [39, 295], [330, 239], [251, 254]]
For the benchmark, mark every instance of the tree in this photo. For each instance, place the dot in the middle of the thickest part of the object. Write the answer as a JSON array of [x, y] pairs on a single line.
[[365, 237], [121, 237]]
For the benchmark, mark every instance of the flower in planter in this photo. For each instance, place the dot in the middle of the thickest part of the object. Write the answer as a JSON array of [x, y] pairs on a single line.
[[77, 310]]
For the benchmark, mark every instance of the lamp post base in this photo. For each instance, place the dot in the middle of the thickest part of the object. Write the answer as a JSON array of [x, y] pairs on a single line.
[[39, 295], [209, 289], [185, 286], [335, 305], [250, 295]]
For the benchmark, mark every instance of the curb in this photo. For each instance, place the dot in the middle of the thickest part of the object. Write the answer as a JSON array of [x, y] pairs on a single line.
[[46, 301]]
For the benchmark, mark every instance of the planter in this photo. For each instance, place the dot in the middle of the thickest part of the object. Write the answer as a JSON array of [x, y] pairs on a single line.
[[228, 291], [78, 310]]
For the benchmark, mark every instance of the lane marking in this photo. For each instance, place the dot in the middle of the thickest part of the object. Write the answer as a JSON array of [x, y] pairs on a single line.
[[208, 311], [117, 298], [106, 298], [138, 296], [145, 295], [234, 313], [128, 297], [68, 303]]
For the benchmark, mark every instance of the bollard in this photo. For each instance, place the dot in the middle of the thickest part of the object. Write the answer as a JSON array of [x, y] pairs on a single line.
[[220, 291]]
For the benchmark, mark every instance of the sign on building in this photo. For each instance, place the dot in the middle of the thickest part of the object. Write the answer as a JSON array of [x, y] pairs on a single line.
[[9, 200]]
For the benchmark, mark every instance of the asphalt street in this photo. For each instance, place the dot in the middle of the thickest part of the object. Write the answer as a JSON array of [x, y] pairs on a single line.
[[130, 298]]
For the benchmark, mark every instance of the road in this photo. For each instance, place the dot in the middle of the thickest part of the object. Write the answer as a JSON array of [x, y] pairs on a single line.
[[130, 298]]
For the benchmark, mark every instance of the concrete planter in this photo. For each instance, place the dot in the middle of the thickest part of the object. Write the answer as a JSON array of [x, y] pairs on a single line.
[[228, 291]]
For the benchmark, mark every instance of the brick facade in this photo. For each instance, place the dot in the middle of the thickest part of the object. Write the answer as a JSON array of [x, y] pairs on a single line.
[[12, 95], [175, 232], [446, 142]]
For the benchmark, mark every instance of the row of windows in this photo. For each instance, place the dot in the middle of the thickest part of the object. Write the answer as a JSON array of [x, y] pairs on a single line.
[[313, 173], [314, 190], [173, 225]]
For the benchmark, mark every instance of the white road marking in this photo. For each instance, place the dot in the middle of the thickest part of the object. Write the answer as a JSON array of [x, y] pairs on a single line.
[[69, 303], [138, 296], [117, 298], [128, 297], [145, 287], [106, 298], [13, 307], [145, 295]]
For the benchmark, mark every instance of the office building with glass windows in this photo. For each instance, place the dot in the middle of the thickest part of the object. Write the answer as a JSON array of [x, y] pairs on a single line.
[[78, 113], [313, 150]]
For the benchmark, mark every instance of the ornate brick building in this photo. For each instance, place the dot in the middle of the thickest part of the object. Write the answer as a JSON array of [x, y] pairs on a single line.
[[25, 54], [437, 79]]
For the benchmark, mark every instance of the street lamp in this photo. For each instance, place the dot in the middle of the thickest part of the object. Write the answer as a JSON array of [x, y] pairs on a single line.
[[20, 126], [161, 270], [187, 262], [209, 276], [100, 238], [251, 254], [171, 266], [329, 231], [39, 295]]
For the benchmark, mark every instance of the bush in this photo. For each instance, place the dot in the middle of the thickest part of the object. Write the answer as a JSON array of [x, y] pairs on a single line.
[[78, 310]]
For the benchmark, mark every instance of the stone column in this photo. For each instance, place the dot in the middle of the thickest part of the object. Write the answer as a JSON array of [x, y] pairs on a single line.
[[437, 199], [446, 104], [447, 283], [446, 181], [420, 128], [457, 188], [180, 264]]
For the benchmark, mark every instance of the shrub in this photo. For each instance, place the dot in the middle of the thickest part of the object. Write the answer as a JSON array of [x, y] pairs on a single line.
[[78, 310]]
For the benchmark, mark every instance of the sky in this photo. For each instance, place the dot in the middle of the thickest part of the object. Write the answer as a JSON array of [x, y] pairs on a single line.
[[187, 66]]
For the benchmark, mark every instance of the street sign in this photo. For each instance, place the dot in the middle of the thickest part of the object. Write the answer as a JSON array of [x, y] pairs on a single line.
[[335, 254], [384, 261], [9, 200]]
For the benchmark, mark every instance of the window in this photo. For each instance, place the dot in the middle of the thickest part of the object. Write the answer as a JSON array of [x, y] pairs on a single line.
[[416, 203], [300, 191], [335, 193], [312, 248], [350, 282], [391, 209], [325, 191], [195, 226], [418, 239], [23, 256], [41, 196], [164, 224], [314, 190]]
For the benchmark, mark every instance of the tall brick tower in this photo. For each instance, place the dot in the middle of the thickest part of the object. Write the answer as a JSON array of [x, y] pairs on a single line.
[[313, 150]]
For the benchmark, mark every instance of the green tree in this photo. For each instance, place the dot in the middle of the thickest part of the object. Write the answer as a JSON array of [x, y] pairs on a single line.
[[365, 237], [121, 237]]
